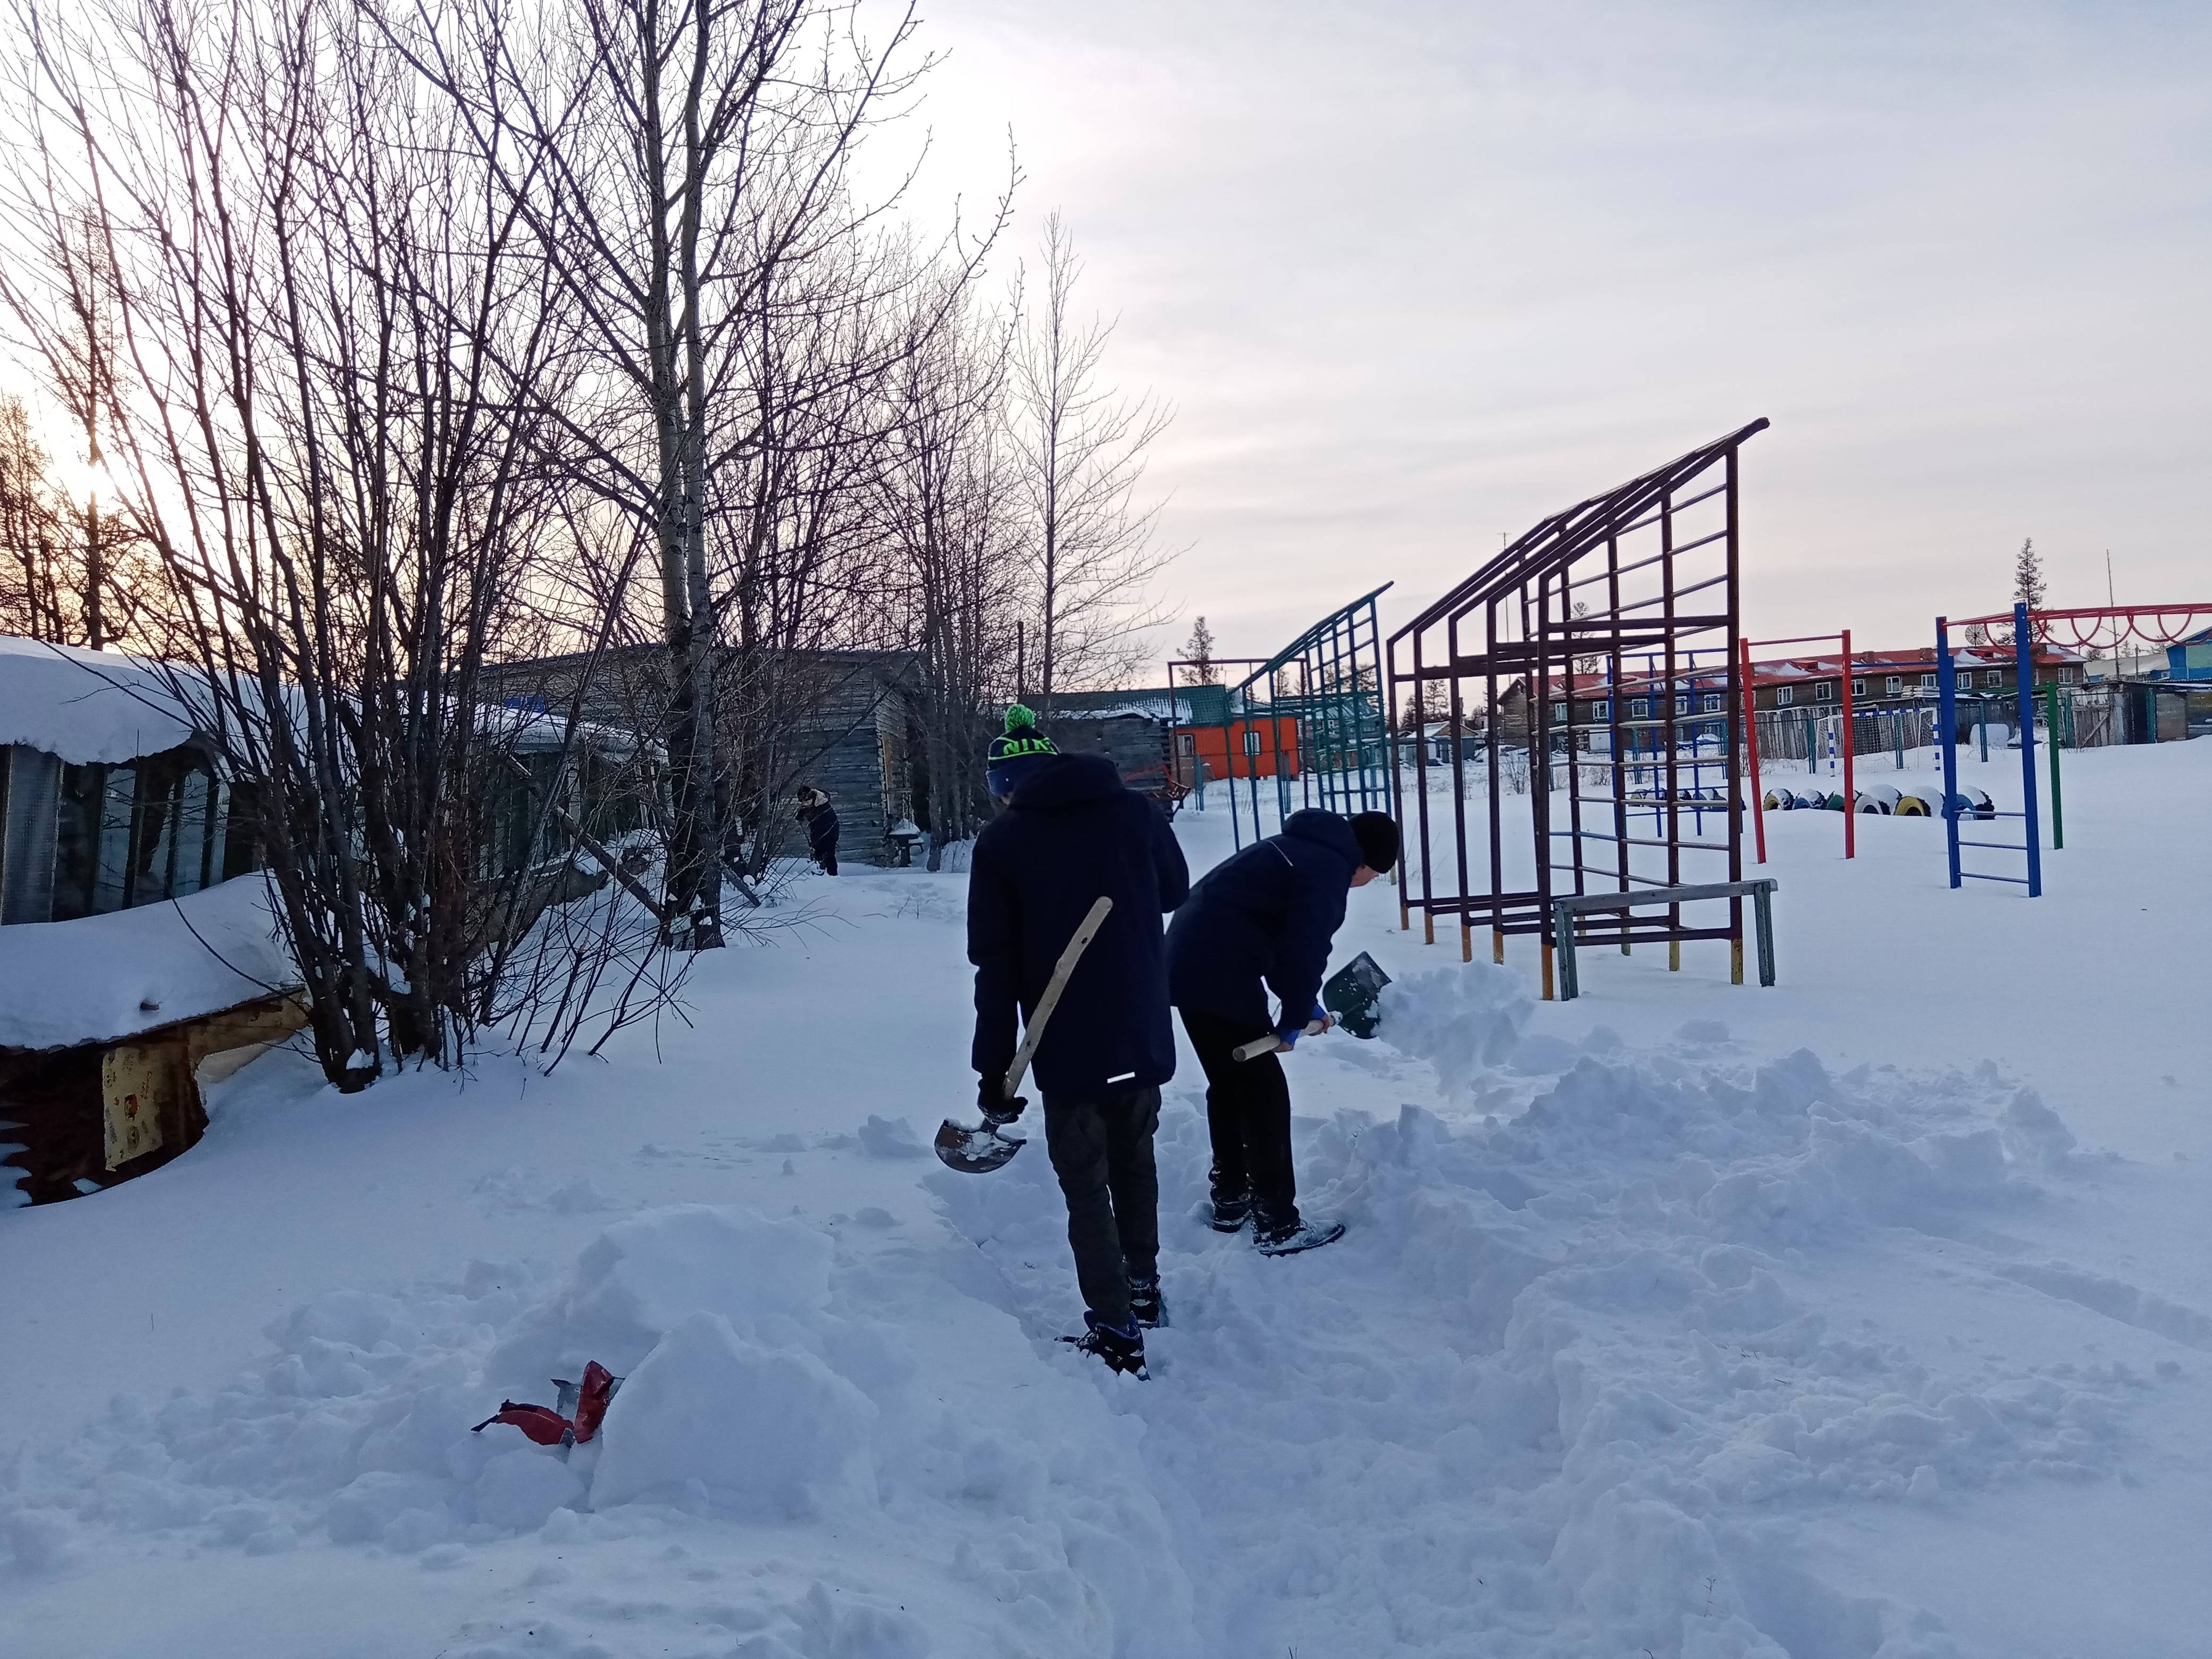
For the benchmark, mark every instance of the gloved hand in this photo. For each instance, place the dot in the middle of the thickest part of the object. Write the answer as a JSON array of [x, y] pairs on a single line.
[[1319, 1017], [1288, 1035], [991, 1098]]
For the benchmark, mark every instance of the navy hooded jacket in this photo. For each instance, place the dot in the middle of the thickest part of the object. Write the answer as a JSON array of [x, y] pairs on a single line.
[[1269, 913], [1072, 832]]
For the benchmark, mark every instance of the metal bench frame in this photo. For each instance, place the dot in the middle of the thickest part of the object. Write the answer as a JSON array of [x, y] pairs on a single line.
[[1759, 891]]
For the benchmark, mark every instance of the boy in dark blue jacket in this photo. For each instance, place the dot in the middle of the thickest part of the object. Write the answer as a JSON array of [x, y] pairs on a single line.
[[1266, 917], [1071, 832]]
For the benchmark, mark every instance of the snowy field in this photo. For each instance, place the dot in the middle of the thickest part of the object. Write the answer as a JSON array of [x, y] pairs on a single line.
[[1865, 1318]]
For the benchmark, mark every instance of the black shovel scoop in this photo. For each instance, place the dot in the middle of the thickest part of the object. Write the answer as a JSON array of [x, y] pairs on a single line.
[[1349, 996], [983, 1148]]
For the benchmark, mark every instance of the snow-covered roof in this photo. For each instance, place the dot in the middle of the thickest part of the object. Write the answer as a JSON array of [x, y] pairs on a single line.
[[92, 979], [1152, 702], [534, 731], [86, 706], [106, 707], [1122, 712]]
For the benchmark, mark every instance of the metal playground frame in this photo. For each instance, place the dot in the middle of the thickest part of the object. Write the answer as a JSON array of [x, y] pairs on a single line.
[[1327, 685], [1947, 719], [1751, 742], [1559, 619]]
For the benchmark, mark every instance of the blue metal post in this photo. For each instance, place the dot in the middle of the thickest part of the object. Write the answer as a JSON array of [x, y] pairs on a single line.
[[2023, 657], [1947, 706]]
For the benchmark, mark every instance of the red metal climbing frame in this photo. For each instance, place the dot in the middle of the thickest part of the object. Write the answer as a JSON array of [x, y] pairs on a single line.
[[1605, 639]]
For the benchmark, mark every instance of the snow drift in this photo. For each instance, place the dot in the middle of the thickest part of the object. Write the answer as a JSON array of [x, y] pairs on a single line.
[[1571, 1382]]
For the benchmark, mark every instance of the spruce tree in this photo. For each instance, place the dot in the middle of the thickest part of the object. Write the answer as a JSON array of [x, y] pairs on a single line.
[[1198, 651], [2027, 576]]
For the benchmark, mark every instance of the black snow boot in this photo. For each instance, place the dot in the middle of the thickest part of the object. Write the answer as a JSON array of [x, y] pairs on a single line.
[[1146, 1310], [1231, 1211], [1122, 1351], [1307, 1235]]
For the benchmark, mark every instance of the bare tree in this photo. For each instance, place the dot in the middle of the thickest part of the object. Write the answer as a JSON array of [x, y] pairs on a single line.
[[335, 352], [951, 495], [804, 561], [34, 584], [1081, 457], [683, 166], [417, 336], [83, 358], [69, 574]]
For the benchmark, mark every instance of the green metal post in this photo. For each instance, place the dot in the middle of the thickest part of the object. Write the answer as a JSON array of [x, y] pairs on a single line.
[[2058, 812]]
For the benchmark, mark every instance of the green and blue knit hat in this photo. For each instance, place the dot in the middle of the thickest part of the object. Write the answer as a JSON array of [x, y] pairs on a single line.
[[1016, 752]]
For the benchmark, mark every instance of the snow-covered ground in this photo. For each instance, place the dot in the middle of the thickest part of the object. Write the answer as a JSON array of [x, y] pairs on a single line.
[[1867, 1315]]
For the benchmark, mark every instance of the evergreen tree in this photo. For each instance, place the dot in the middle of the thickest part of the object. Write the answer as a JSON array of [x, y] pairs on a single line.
[[2027, 576], [1198, 651]]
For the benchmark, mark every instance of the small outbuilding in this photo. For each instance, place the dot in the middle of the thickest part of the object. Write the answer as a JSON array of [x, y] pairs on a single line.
[[134, 963]]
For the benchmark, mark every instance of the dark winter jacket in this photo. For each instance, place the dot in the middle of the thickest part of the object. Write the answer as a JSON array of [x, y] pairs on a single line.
[[821, 824], [1073, 832], [1268, 913]]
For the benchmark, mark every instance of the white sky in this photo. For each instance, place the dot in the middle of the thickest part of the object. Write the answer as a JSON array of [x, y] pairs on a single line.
[[1414, 275]]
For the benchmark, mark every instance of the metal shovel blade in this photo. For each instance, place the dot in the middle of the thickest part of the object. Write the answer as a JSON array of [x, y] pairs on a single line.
[[1351, 995], [973, 1151]]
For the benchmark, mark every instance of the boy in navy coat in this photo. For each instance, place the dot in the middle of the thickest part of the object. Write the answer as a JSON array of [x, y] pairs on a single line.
[[1070, 833], [1265, 919]]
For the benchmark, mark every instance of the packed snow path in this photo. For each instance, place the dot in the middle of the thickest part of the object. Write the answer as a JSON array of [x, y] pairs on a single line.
[[1677, 1341]]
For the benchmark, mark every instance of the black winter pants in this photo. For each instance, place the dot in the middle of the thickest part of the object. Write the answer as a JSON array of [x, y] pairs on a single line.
[[1102, 1154], [1248, 1108]]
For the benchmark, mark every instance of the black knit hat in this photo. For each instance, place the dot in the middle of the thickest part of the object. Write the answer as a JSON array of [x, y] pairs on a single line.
[[1016, 752], [1377, 833]]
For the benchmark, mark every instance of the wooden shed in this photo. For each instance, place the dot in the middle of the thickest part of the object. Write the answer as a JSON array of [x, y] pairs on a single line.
[[134, 963], [1134, 729], [842, 722], [139, 956]]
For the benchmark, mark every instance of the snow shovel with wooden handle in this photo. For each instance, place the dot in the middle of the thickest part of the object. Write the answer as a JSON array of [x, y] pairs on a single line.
[[1349, 996], [981, 1150], [1272, 1044]]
